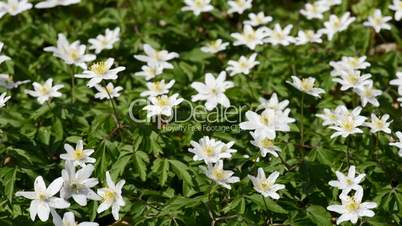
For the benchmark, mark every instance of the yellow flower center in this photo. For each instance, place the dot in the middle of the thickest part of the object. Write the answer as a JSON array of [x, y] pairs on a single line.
[[354, 62], [379, 123], [265, 185], [306, 85], [368, 92], [209, 151], [42, 196], [267, 143], [278, 35], [265, 120], [99, 68], [251, 36], [352, 79], [349, 181], [163, 101], [352, 205], [109, 195], [198, 3], [74, 55], [348, 125], [157, 86], [44, 90], [218, 174], [78, 154]]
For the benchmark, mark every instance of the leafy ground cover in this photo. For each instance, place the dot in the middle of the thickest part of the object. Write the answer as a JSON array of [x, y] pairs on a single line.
[[319, 137]]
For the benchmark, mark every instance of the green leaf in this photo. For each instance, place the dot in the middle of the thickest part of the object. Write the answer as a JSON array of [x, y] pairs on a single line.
[[140, 160], [181, 170], [271, 205], [319, 215]]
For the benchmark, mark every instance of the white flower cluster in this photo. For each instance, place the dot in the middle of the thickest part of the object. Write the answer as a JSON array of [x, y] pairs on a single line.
[[15, 7], [157, 61], [347, 72], [352, 207], [213, 151], [75, 54], [265, 125], [75, 184]]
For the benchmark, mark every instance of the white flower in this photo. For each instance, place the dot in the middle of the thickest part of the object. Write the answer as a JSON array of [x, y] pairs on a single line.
[[308, 36], [348, 124], [243, 65], [250, 37], [100, 71], [7, 82], [214, 46], [368, 94], [273, 103], [222, 177], [45, 92], [69, 220], [265, 144], [162, 105], [379, 124], [399, 143], [105, 41], [73, 53], [329, 3], [197, 6], [397, 82], [157, 88], [78, 155], [111, 196], [332, 117], [352, 79], [4, 99], [78, 184], [227, 148], [212, 91], [43, 198], [266, 186], [314, 10], [336, 24], [107, 92], [347, 64], [267, 123], [210, 150], [155, 57], [352, 208], [306, 85], [349, 182], [14, 7], [53, 3], [239, 6], [279, 36], [3, 57], [378, 22], [258, 19], [397, 7], [150, 71]]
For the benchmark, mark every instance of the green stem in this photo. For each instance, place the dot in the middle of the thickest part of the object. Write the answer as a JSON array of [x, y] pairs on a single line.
[[348, 152], [266, 207], [73, 84], [302, 126], [113, 106]]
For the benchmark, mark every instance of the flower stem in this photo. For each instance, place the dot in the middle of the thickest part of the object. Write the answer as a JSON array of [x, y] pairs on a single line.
[[114, 107], [348, 152], [302, 126], [72, 85], [266, 207]]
